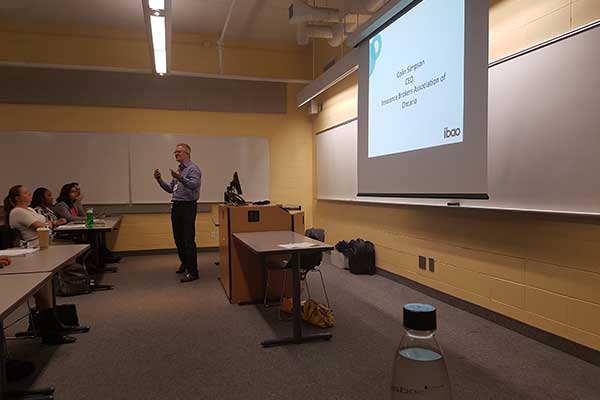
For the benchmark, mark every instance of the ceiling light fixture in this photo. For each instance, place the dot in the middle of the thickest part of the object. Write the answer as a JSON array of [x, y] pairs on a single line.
[[156, 4], [157, 16]]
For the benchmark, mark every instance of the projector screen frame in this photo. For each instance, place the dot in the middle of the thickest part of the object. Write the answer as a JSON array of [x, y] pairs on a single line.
[[474, 119]]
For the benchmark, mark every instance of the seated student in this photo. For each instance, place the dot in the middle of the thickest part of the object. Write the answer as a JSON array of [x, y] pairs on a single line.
[[42, 202], [72, 198], [78, 199], [24, 219], [66, 206]]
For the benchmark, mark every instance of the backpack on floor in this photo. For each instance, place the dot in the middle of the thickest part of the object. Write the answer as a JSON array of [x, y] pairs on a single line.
[[73, 280], [362, 257]]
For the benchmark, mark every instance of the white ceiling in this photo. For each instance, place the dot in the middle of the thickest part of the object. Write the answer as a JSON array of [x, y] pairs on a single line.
[[251, 19]]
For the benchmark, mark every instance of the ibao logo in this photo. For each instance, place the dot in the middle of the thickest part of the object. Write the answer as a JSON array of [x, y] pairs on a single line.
[[448, 133]]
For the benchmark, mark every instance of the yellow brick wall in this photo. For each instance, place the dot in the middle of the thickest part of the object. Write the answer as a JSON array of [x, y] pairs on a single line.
[[544, 271], [127, 48]]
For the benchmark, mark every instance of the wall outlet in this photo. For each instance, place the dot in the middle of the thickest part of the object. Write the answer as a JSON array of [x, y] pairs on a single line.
[[213, 234], [431, 265], [422, 262]]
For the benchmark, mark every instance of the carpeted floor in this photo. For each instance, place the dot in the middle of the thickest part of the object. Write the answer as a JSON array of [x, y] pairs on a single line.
[[154, 338]]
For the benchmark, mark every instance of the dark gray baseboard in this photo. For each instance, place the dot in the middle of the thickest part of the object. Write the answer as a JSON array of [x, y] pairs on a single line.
[[565, 345], [161, 251]]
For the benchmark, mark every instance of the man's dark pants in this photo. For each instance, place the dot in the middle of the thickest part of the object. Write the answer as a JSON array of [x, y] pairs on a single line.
[[183, 220]]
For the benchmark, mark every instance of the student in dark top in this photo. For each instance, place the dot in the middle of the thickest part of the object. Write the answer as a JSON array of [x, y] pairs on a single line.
[[66, 206], [78, 199], [69, 206], [42, 202]]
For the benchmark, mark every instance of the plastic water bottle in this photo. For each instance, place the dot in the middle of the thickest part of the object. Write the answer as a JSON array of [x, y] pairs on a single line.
[[89, 218], [419, 366]]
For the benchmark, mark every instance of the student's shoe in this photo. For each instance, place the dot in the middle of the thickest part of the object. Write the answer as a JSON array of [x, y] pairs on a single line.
[[51, 329], [181, 270], [189, 278], [58, 339], [111, 259]]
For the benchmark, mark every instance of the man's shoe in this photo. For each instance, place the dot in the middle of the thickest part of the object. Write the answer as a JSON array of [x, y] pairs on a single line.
[[181, 270], [189, 278]]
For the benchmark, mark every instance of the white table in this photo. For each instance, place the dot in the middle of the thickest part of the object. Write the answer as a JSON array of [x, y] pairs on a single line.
[[267, 243], [97, 235], [48, 260]]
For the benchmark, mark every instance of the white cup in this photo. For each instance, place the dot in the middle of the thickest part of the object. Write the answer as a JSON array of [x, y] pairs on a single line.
[[43, 237]]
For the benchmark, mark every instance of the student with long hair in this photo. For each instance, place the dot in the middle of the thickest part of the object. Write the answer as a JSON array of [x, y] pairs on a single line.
[[69, 207], [66, 204], [24, 219], [42, 202]]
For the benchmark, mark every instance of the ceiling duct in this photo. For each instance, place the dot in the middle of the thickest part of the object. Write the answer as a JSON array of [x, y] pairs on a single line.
[[371, 6], [300, 12], [306, 32], [329, 23]]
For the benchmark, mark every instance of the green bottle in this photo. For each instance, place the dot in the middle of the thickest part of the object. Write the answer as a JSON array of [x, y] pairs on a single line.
[[89, 218]]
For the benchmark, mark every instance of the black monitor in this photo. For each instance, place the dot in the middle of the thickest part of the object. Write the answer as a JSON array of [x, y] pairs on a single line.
[[233, 194], [235, 183]]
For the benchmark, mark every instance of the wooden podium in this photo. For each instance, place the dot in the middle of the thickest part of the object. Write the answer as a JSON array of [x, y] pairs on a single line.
[[242, 272]]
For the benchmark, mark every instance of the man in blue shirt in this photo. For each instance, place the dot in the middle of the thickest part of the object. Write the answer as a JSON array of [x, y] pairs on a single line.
[[185, 188]]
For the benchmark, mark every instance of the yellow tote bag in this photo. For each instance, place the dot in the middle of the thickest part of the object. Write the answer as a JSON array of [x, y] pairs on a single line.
[[317, 314]]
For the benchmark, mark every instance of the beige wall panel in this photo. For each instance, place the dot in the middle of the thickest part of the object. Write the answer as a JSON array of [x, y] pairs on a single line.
[[583, 337], [550, 25], [496, 265], [391, 258], [546, 304], [508, 14], [560, 250], [584, 316], [584, 286], [339, 104], [464, 279], [585, 11], [547, 325], [507, 292], [509, 311], [547, 276], [105, 46], [153, 231], [507, 43]]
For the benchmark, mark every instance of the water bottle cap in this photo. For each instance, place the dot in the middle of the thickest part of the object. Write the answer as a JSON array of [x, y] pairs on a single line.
[[419, 317]]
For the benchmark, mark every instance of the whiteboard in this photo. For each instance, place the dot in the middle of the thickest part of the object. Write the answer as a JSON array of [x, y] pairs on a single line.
[[337, 162], [99, 162], [543, 143], [217, 156]]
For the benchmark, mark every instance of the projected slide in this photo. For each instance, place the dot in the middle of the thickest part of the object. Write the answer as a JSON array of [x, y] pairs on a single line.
[[416, 80]]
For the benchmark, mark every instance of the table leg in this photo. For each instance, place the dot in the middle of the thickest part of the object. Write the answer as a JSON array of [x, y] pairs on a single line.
[[297, 337], [101, 245], [296, 298], [2, 361], [44, 393]]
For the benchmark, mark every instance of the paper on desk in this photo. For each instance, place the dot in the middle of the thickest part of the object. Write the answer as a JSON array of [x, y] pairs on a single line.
[[69, 226], [300, 245], [17, 252]]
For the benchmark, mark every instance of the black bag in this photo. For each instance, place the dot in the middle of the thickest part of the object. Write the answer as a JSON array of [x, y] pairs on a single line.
[[362, 257], [66, 314], [73, 280]]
